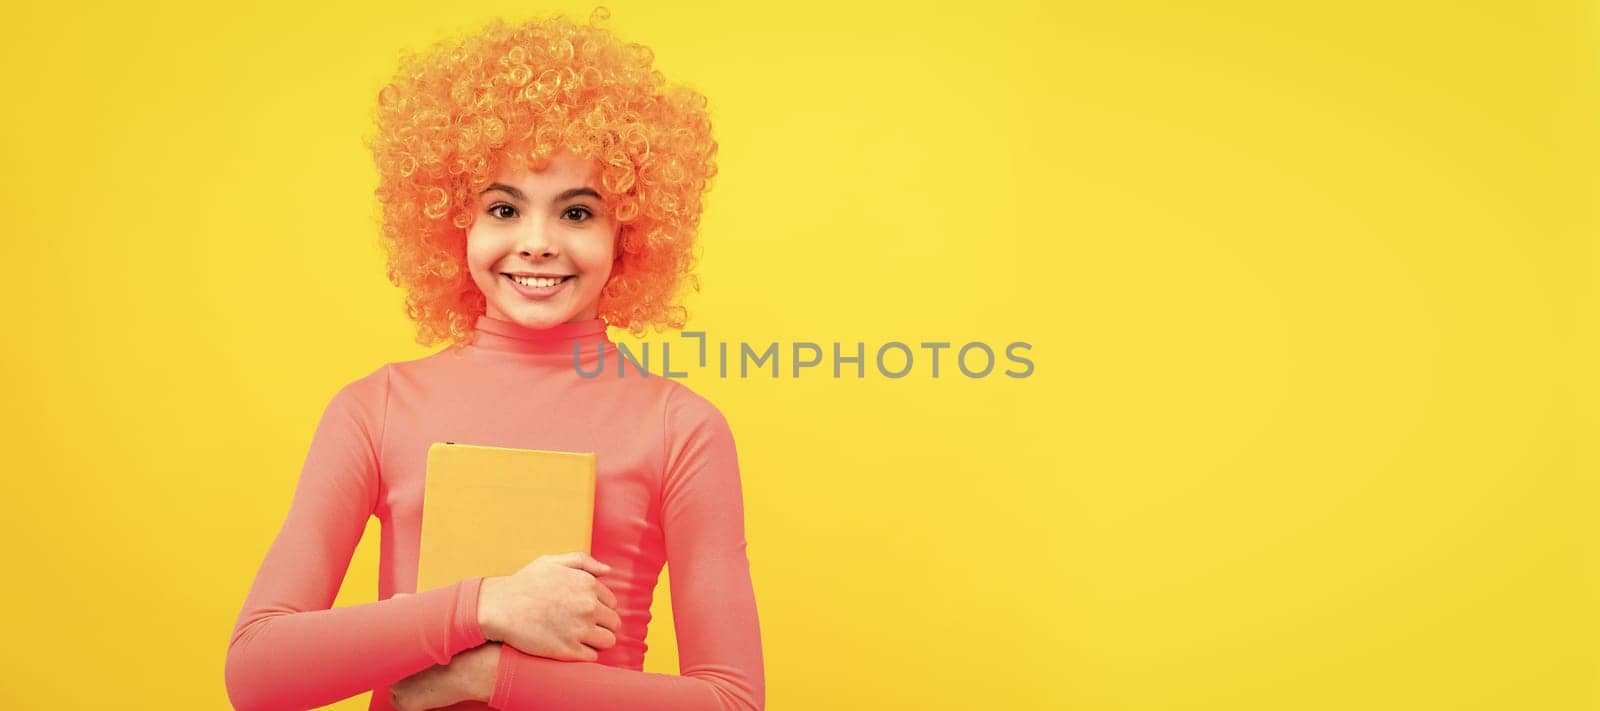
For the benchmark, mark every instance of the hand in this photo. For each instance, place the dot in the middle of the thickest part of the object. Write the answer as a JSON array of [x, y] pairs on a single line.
[[469, 676], [553, 607]]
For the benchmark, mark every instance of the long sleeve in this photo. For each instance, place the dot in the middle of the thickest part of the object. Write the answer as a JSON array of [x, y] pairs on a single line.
[[288, 649], [713, 601]]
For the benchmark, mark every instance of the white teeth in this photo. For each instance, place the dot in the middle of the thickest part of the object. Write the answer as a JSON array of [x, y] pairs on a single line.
[[537, 281]]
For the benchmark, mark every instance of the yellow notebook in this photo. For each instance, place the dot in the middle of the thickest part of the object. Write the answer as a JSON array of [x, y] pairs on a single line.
[[492, 510]]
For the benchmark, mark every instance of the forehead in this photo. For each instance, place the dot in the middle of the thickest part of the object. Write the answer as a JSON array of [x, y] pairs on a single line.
[[559, 171]]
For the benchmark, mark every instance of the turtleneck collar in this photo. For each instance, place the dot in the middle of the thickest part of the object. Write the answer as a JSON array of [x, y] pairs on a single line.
[[557, 341]]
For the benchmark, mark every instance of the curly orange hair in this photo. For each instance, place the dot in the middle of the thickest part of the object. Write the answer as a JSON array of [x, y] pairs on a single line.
[[453, 115]]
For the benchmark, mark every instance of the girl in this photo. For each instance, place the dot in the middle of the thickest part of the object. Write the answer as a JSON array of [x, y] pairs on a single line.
[[539, 183]]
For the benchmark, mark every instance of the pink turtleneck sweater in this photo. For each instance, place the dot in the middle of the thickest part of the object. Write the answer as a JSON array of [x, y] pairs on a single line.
[[667, 492]]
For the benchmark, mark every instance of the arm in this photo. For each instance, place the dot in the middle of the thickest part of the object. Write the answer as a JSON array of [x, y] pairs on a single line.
[[288, 649], [713, 603]]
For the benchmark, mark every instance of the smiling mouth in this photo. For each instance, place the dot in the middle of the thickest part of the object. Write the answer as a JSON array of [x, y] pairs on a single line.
[[537, 282]]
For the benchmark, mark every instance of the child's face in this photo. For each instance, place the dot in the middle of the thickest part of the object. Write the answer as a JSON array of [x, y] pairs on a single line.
[[543, 223]]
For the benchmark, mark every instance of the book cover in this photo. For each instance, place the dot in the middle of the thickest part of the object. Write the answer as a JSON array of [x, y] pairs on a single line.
[[492, 510]]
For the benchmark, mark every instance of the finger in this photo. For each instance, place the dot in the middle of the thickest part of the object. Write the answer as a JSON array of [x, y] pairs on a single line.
[[584, 562], [596, 567], [570, 558], [609, 619], [605, 595], [599, 638], [587, 653], [581, 561]]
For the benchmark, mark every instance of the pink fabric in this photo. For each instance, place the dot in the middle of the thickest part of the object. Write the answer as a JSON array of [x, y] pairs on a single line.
[[668, 492]]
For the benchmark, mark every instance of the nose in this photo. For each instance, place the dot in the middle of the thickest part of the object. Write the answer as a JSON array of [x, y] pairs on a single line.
[[535, 240]]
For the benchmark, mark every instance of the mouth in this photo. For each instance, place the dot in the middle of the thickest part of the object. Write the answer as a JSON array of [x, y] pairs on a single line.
[[537, 287]]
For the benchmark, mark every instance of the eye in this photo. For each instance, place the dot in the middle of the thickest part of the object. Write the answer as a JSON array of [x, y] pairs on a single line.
[[580, 210], [502, 206]]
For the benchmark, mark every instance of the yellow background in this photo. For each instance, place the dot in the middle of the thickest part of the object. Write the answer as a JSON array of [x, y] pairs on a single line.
[[1309, 292]]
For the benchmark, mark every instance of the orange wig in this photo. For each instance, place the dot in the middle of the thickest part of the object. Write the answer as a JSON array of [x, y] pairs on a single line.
[[455, 114]]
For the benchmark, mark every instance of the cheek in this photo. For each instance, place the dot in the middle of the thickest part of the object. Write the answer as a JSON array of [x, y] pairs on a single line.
[[480, 254], [597, 257]]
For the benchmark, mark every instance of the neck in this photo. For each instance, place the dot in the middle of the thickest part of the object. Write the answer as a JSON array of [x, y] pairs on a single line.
[[587, 337]]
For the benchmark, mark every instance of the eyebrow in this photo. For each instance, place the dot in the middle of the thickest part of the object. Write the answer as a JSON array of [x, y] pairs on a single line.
[[565, 194]]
